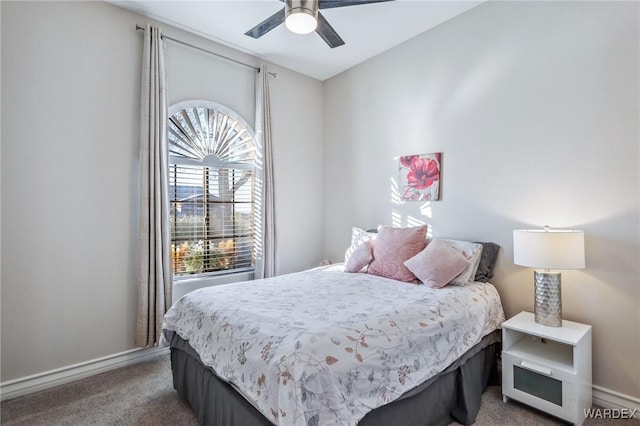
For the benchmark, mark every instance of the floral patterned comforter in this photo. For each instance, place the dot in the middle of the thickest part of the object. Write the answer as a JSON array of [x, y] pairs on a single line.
[[324, 347]]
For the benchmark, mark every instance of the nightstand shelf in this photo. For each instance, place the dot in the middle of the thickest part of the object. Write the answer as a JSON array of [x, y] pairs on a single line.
[[550, 353], [548, 368]]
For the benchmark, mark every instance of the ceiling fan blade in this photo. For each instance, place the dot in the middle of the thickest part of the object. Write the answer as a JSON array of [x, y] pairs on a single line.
[[328, 34], [329, 4], [267, 25]]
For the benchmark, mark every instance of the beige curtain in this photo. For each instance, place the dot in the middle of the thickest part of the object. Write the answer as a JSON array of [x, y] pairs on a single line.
[[154, 267], [266, 265]]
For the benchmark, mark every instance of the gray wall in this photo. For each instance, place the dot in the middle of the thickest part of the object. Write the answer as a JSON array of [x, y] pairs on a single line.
[[70, 114], [535, 108]]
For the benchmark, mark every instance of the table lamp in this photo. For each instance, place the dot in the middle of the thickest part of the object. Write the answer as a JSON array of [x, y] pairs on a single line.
[[548, 249]]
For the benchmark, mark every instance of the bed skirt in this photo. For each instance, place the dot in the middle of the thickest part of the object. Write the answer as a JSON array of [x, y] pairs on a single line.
[[453, 395]]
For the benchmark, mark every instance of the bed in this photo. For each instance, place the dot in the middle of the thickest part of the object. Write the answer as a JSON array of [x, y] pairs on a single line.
[[326, 347]]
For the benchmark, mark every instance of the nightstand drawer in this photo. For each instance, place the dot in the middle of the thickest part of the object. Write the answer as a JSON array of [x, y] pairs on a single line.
[[549, 389]]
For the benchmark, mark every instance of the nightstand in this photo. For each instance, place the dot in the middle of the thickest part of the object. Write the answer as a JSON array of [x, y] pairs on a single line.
[[548, 368]]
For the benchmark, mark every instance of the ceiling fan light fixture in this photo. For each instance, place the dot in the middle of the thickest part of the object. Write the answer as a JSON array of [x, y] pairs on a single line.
[[301, 16]]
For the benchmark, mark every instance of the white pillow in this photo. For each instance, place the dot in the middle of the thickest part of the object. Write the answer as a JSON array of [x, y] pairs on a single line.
[[360, 258], [472, 252], [360, 252]]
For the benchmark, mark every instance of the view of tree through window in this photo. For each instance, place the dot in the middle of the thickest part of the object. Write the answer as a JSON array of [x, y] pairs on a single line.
[[212, 184]]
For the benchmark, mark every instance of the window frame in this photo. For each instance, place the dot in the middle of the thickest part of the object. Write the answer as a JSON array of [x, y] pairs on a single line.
[[214, 162]]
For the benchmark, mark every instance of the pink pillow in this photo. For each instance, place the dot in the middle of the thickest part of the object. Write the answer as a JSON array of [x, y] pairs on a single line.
[[359, 257], [437, 264], [393, 247]]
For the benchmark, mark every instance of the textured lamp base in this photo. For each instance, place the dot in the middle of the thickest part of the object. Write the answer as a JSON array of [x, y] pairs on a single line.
[[548, 300]]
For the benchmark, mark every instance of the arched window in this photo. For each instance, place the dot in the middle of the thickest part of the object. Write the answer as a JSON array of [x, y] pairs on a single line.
[[212, 185]]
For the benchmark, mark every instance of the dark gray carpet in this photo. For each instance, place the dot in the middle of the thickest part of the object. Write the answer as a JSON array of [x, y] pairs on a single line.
[[142, 394]]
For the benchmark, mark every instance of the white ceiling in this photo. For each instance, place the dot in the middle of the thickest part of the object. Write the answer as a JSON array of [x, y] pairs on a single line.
[[366, 29]]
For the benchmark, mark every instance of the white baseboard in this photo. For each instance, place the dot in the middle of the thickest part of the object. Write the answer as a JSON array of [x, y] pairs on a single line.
[[48, 379], [607, 398]]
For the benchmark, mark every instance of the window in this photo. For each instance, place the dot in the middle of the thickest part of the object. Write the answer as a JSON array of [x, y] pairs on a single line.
[[212, 190]]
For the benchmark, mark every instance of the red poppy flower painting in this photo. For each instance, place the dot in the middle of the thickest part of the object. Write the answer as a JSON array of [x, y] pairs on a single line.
[[420, 177]]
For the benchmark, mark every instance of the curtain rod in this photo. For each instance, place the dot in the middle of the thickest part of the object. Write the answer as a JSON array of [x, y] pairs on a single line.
[[139, 28]]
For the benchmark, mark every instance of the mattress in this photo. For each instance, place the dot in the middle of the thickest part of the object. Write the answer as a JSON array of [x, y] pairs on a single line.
[[327, 347]]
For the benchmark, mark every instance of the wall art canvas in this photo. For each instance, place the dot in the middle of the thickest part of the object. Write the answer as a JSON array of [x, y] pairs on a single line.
[[419, 178]]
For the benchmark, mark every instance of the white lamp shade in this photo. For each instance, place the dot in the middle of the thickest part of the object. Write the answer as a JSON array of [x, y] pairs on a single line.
[[301, 22], [549, 249]]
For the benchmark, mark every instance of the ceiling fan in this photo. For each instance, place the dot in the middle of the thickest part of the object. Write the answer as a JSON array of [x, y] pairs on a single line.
[[303, 17]]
